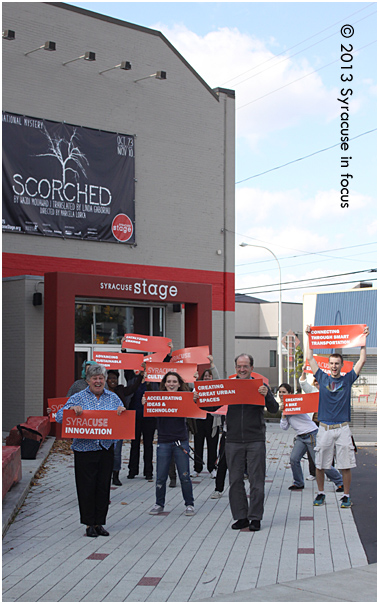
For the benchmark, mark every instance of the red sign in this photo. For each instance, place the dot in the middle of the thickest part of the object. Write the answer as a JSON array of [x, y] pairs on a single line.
[[134, 341], [197, 355], [323, 363], [171, 404], [156, 371], [55, 404], [229, 392], [156, 357], [118, 360], [300, 403], [337, 336], [103, 425], [256, 376], [122, 227]]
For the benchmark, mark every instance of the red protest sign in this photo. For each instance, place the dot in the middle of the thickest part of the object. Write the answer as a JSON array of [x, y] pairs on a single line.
[[156, 357], [337, 336], [134, 341], [55, 404], [118, 360], [197, 355], [104, 425], [300, 403], [256, 376], [171, 404], [323, 363], [155, 372], [229, 392]]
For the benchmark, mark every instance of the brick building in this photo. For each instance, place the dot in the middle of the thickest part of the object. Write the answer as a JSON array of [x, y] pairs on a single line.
[[66, 294]]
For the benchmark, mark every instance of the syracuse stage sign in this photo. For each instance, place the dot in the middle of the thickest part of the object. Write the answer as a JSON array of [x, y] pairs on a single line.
[[67, 181]]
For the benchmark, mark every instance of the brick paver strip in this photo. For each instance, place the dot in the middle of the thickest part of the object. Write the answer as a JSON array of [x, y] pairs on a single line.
[[306, 517], [149, 581], [97, 556], [306, 550], [196, 481]]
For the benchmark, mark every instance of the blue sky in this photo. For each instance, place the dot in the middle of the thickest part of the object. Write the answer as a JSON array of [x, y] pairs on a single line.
[[283, 59]]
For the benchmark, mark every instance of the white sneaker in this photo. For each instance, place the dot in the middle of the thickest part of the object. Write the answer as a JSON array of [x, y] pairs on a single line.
[[310, 477], [216, 495], [213, 473], [190, 510], [194, 474], [156, 509]]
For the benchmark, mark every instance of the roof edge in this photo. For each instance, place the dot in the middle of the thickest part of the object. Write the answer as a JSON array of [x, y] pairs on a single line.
[[154, 32]]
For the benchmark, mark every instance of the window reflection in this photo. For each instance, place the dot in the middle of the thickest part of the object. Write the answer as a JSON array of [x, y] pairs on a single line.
[[106, 323]]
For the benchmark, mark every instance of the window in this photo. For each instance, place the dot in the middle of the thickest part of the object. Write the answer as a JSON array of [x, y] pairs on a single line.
[[107, 323], [272, 358]]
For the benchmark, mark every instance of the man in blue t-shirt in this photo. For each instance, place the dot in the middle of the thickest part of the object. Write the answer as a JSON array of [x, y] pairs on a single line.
[[334, 416]]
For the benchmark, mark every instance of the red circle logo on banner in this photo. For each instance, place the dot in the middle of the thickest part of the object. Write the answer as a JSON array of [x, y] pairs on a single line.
[[122, 227]]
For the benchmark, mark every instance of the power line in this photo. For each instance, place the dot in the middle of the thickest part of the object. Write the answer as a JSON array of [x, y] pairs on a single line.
[[293, 266], [304, 157], [296, 53], [299, 43], [311, 279], [336, 249], [287, 289], [302, 77], [285, 247]]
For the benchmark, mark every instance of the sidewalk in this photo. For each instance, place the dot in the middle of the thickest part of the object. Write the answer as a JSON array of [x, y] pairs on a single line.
[[302, 553]]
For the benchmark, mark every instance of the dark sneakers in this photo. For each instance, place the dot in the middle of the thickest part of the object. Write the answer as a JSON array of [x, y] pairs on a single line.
[[294, 487], [255, 525], [240, 524], [320, 500]]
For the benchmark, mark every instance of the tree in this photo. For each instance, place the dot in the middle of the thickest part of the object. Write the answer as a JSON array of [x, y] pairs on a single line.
[[65, 151]]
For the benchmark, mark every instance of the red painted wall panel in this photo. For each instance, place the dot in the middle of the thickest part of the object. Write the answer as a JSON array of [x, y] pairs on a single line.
[[222, 283]]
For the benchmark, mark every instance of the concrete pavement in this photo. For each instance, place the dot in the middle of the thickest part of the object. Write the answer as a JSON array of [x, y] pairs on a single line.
[[302, 553]]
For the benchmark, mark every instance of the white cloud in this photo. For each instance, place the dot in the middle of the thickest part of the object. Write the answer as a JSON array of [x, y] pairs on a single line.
[[220, 54]]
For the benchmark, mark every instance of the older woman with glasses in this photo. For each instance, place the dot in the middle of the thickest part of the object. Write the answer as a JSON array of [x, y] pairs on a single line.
[[93, 458]]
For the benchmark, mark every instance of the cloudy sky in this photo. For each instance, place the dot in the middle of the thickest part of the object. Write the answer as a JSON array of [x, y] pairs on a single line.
[[284, 61]]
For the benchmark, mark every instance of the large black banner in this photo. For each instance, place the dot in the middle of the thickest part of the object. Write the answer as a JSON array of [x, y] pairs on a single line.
[[67, 181]]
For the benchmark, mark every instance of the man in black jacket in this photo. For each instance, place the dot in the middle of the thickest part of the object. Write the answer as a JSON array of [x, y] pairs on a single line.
[[246, 444]]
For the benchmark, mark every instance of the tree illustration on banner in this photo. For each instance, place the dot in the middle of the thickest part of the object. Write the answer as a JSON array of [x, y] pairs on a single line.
[[65, 151]]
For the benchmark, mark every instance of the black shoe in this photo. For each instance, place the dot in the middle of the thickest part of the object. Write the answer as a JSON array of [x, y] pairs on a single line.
[[100, 530], [131, 475], [91, 531], [172, 483], [149, 478], [255, 525], [294, 487], [115, 479], [240, 524], [340, 489]]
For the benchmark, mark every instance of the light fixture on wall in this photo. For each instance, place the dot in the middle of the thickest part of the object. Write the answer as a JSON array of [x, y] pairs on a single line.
[[159, 75], [49, 45], [125, 65], [37, 296], [88, 56], [9, 34]]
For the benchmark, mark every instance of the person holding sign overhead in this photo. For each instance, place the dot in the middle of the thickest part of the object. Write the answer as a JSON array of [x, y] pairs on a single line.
[[305, 440], [93, 458], [334, 416], [173, 440], [246, 443]]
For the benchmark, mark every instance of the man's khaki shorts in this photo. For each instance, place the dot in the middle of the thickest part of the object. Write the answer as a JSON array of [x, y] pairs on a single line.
[[338, 441]]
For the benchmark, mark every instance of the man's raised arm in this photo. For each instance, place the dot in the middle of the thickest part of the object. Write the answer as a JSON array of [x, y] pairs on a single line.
[[309, 352], [363, 354]]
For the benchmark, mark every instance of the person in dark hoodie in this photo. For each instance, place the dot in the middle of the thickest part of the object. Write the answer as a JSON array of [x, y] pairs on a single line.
[[246, 444], [173, 440]]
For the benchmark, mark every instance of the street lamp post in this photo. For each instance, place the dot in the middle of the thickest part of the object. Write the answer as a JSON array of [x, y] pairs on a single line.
[[280, 357]]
